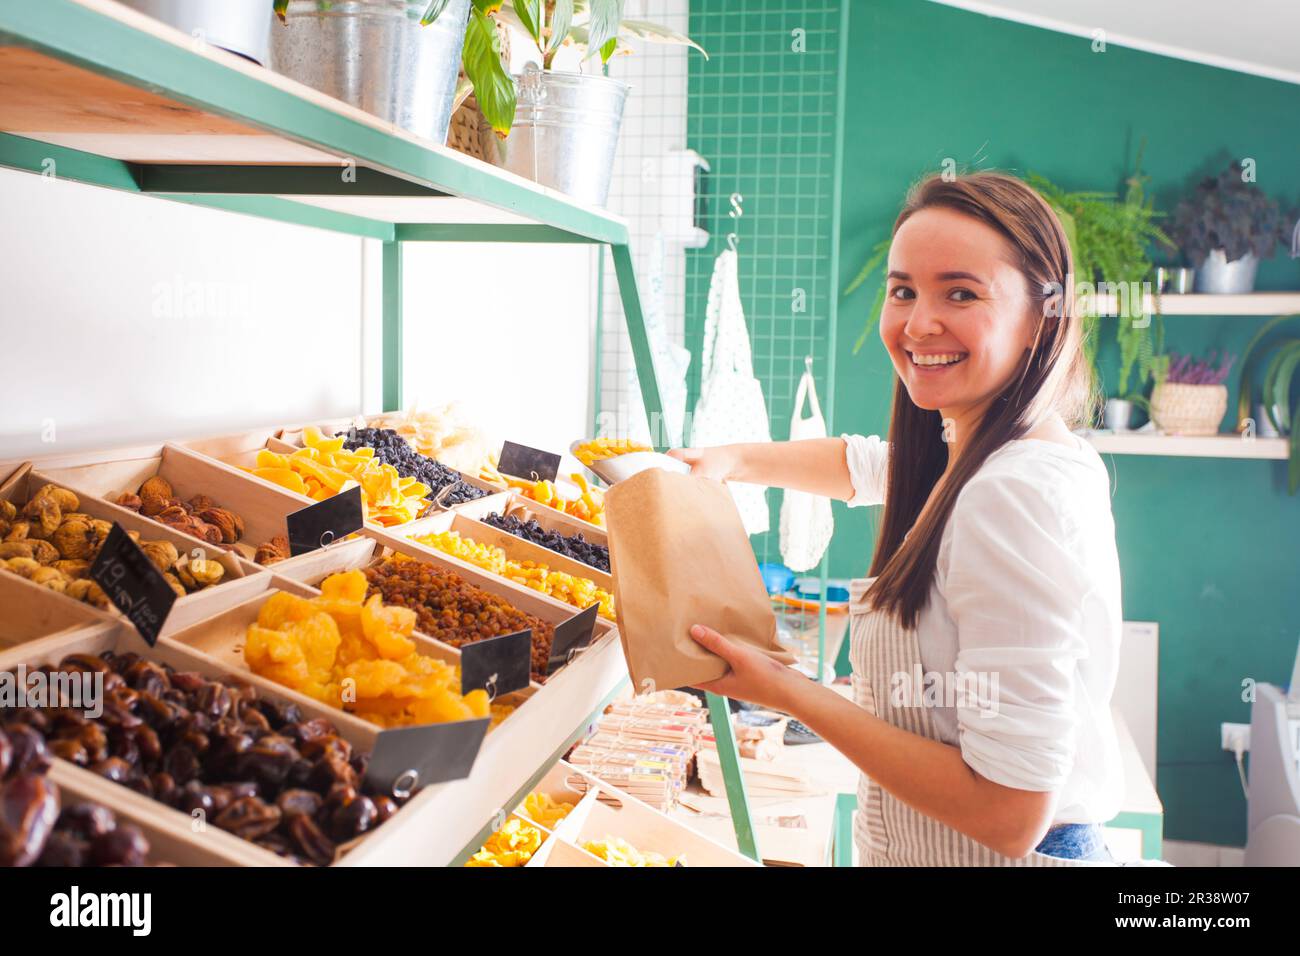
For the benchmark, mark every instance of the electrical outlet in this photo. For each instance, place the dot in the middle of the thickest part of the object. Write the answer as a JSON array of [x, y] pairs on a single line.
[[1234, 737]]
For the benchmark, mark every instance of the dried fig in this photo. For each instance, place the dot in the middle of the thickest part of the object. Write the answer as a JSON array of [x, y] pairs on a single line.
[[7, 510], [151, 505], [16, 549], [75, 538], [175, 583], [20, 529], [45, 515], [201, 503], [64, 498], [50, 578], [129, 501], [157, 486], [162, 553], [44, 552], [84, 589], [223, 519], [25, 567], [73, 570]]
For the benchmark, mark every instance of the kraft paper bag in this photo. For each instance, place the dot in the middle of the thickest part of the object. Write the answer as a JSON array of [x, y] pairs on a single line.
[[680, 556]]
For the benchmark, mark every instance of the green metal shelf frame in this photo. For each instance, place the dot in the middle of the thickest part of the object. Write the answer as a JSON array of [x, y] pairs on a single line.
[[385, 166]]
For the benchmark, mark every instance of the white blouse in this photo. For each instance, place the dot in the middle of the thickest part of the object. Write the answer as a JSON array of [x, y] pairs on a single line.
[[1026, 587]]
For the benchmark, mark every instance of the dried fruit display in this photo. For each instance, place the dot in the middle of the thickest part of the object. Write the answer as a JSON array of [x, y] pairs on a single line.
[[200, 516], [544, 809], [269, 552], [513, 845], [581, 593], [598, 449], [450, 609], [219, 752], [37, 828], [445, 485], [323, 468], [354, 653], [444, 434], [574, 546], [618, 852], [589, 507], [52, 544]]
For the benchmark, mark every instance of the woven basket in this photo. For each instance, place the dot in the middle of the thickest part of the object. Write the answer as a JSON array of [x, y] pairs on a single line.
[[1188, 409], [470, 133]]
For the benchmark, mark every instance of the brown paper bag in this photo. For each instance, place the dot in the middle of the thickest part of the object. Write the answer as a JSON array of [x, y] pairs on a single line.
[[680, 556]]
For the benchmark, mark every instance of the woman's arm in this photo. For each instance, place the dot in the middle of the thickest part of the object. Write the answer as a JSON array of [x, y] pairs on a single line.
[[927, 775], [816, 465]]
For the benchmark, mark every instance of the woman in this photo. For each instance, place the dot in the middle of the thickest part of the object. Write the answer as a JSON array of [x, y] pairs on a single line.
[[995, 571]]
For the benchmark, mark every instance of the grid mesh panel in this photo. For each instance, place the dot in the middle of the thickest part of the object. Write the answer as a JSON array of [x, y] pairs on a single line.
[[762, 111], [646, 191]]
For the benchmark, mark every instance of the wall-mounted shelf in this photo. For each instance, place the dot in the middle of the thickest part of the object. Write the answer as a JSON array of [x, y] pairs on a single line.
[[1178, 446], [1251, 303]]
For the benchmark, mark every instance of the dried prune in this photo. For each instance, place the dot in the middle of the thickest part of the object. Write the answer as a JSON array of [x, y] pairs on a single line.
[[353, 818], [249, 818], [125, 845]]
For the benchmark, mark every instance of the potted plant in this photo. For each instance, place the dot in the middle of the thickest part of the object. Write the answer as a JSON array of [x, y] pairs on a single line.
[[396, 59], [241, 26], [1225, 228], [1277, 406], [565, 126], [1189, 397]]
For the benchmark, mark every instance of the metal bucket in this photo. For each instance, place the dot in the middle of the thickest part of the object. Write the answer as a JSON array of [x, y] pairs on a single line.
[[1217, 276], [375, 55], [565, 132], [240, 26]]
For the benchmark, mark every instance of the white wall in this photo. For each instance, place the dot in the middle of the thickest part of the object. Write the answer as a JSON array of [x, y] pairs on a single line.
[[126, 318]]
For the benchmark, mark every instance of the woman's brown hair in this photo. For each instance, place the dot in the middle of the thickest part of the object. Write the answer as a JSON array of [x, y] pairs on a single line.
[[1053, 378]]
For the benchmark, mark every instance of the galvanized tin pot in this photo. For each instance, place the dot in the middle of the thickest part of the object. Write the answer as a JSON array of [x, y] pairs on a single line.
[[375, 55], [565, 132], [240, 26], [1217, 276]]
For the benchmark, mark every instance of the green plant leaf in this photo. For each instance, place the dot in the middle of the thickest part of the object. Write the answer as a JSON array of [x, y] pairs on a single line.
[[1245, 384], [281, 7], [1277, 383], [433, 12], [530, 14], [878, 253], [606, 15], [1293, 466], [654, 33], [561, 22], [493, 86]]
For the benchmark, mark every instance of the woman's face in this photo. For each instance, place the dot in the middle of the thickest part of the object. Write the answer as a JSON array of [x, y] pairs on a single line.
[[957, 318]]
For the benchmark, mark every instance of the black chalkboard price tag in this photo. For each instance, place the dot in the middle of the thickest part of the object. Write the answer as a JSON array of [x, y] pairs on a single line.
[[571, 636], [133, 583], [325, 522], [498, 665], [520, 461], [404, 759]]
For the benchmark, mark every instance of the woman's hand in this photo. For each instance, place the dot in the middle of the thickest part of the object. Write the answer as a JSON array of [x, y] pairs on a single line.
[[718, 463], [754, 676]]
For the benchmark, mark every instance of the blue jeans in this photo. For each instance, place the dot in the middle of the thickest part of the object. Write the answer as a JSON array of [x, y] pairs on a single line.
[[1075, 841]]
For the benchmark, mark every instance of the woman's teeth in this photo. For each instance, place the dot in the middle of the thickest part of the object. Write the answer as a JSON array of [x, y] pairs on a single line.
[[942, 358]]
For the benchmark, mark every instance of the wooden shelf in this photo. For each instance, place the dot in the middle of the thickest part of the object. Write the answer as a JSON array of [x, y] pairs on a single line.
[[104, 95], [1251, 303], [1178, 446]]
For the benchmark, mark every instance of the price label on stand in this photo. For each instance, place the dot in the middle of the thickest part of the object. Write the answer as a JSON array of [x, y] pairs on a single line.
[[133, 583], [520, 461], [404, 759], [571, 636], [325, 522], [498, 665]]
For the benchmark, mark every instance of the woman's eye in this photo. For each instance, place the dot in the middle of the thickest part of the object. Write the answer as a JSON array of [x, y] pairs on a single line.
[[901, 292], [963, 295]]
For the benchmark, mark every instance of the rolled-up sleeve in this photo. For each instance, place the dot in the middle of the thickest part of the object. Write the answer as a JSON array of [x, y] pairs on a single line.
[[1016, 592], [868, 460]]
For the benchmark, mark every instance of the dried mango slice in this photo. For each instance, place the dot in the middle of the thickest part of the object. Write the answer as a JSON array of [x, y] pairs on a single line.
[[269, 459], [284, 477]]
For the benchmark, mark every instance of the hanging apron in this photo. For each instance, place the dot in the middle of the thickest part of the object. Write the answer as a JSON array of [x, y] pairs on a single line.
[[887, 831]]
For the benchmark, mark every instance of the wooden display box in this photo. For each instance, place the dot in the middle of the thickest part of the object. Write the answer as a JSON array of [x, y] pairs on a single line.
[[33, 614], [240, 580], [515, 548], [292, 435], [601, 811], [216, 842], [262, 505]]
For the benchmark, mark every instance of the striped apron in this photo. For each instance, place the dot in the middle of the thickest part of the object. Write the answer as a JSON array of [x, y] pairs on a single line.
[[887, 831]]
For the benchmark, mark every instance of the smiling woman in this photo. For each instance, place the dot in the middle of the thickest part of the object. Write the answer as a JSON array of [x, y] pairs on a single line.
[[996, 566]]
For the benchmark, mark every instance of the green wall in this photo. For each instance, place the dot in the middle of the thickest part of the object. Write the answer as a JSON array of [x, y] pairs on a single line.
[[1209, 548]]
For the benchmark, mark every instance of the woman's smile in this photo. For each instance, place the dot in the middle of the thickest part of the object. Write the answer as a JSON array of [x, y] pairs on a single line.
[[935, 363]]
